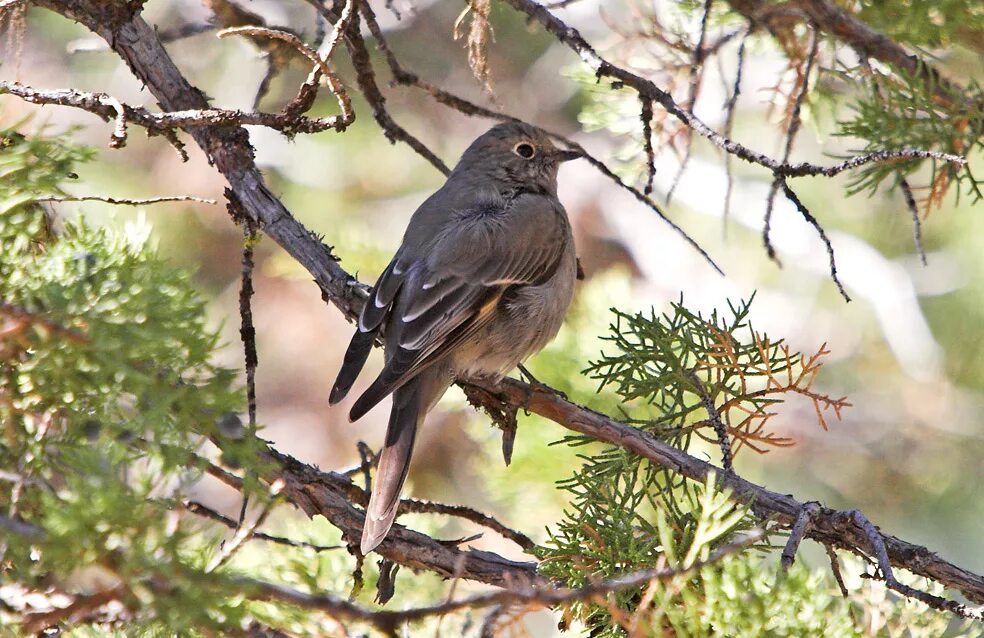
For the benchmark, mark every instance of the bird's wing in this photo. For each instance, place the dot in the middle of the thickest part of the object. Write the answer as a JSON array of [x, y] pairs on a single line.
[[454, 290], [373, 314]]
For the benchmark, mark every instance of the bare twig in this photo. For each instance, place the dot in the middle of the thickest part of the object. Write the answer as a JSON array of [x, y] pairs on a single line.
[[910, 203], [366, 79], [207, 512], [245, 532], [796, 534], [805, 169], [695, 72], [467, 513], [876, 543], [367, 459], [729, 122], [836, 569], [103, 106], [119, 126], [122, 201], [794, 126], [791, 196], [247, 332], [321, 62], [714, 415], [646, 115]]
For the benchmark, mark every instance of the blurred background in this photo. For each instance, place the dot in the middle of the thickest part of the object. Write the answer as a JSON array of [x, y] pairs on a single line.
[[908, 351]]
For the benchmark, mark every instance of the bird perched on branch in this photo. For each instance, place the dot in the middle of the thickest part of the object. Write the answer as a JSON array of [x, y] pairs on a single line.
[[482, 280]]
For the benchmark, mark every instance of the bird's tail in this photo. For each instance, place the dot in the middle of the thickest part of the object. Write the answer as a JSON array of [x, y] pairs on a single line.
[[394, 462]]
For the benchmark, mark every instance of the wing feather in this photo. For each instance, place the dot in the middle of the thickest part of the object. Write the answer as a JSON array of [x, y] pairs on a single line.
[[435, 302]]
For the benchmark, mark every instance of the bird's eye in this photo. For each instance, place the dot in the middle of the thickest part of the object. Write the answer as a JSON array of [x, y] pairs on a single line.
[[524, 150]]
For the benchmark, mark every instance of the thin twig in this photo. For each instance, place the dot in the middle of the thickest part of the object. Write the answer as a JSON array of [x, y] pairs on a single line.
[[791, 196], [695, 73], [796, 534], [646, 115], [880, 552], [835, 568], [321, 62], [102, 105], [245, 532], [714, 415], [729, 122], [366, 80], [409, 505], [121, 201], [367, 459], [910, 202], [119, 126], [791, 131], [204, 511], [247, 333]]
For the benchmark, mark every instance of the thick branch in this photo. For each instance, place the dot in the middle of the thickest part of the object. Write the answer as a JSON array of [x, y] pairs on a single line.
[[331, 496], [867, 42], [525, 595], [826, 526]]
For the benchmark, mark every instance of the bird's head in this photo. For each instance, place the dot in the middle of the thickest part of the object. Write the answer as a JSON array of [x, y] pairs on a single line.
[[515, 155]]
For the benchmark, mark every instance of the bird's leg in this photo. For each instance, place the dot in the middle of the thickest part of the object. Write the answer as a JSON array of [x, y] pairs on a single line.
[[535, 386]]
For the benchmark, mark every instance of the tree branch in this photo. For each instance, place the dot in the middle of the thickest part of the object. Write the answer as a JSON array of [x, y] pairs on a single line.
[[228, 149], [867, 42], [388, 621], [827, 526], [108, 107]]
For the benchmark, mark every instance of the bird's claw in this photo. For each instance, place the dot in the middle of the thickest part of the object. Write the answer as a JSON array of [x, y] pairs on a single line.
[[534, 386]]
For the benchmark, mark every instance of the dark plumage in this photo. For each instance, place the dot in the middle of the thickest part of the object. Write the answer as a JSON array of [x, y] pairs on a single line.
[[482, 280]]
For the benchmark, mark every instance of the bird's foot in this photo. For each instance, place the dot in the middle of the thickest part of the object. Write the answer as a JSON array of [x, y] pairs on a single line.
[[535, 386]]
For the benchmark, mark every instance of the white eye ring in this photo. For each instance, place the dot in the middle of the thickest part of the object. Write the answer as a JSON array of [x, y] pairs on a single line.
[[525, 150]]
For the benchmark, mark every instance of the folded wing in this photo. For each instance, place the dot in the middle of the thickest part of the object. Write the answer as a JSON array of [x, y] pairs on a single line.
[[450, 288]]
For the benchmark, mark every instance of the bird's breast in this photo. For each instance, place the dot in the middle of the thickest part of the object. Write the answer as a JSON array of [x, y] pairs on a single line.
[[527, 318]]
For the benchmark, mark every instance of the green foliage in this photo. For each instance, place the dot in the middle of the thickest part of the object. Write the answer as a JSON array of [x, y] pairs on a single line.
[[627, 514], [29, 168], [665, 366], [893, 111], [107, 387], [621, 523], [925, 23]]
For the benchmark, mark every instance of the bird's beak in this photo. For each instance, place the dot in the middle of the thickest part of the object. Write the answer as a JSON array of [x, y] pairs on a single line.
[[568, 155]]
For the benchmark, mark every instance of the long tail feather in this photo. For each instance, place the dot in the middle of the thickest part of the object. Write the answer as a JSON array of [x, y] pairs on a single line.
[[394, 463]]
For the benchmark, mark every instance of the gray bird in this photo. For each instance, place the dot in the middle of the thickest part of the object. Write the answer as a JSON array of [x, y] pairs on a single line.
[[482, 280]]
